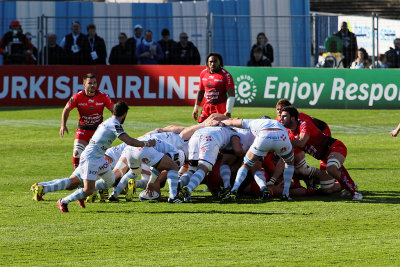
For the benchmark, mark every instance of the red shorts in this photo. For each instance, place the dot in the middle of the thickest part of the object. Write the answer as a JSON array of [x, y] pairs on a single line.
[[84, 135], [210, 109], [337, 147]]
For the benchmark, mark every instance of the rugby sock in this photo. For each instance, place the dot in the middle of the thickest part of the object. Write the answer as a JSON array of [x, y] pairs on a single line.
[[100, 185], [260, 179], [185, 178], [287, 179], [78, 194], [225, 173], [172, 179], [346, 181], [196, 179], [123, 183], [240, 176], [141, 183], [56, 185]]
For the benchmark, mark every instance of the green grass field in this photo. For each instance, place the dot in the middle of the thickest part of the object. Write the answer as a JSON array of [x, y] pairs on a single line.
[[310, 231]]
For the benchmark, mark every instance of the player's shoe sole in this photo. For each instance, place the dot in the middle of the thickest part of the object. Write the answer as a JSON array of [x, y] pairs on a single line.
[[63, 207], [175, 200], [37, 191], [130, 191], [357, 196], [230, 196]]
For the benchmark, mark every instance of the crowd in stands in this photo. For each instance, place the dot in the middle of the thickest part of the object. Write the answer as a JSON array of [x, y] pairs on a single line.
[[77, 48]]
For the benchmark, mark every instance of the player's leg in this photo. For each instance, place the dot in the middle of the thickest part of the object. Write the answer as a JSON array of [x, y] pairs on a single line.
[[82, 138], [166, 163], [284, 149]]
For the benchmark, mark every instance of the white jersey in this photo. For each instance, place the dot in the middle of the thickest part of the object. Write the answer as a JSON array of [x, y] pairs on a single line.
[[257, 125], [246, 138], [171, 138], [147, 155], [102, 139], [206, 143], [115, 153]]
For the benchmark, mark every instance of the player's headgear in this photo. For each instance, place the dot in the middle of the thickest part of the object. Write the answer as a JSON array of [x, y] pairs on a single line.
[[120, 108], [217, 55]]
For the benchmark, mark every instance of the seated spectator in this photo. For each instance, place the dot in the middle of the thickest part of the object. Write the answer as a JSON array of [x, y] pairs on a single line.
[[76, 46], [382, 61], [362, 60], [258, 59], [98, 51], [188, 54], [31, 59], [124, 52], [169, 48], [262, 41], [393, 55], [15, 46], [52, 53], [148, 51]]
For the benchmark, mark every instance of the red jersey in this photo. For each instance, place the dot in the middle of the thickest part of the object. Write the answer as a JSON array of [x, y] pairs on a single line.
[[216, 85], [90, 108], [318, 144]]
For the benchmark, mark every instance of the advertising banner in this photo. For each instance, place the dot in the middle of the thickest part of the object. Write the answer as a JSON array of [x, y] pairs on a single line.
[[317, 88], [178, 86]]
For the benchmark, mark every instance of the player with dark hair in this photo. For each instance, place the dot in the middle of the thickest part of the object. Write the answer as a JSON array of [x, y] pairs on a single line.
[[217, 86], [90, 103], [332, 152]]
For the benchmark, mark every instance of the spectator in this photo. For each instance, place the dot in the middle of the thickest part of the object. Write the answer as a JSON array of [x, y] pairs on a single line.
[[123, 53], [52, 53], [393, 55], [188, 54], [15, 46], [148, 51], [382, 61], [349, 44], [169, 48], [362, 60], [31, 59], [262, 42], [137, 34], [76, 46], [258, 59], [98, 51]]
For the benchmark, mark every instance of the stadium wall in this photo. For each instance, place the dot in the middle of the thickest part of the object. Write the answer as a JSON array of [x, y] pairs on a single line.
[[170, 86], [234, 27]]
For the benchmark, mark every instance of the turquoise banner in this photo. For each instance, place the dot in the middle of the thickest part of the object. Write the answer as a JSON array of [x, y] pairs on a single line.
[[317, 88]]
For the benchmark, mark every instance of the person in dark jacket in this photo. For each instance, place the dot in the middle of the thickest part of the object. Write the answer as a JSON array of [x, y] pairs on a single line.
[[169, 48], [76, 46], [98, 51], [262, 42], [124, 52], [149, 52], [15, 46], [188, 54], [258, 59], [52, 53], [349, 44], [393, 55]]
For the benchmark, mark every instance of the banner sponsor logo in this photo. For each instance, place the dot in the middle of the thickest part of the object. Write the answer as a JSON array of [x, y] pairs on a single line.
[[245, 89]]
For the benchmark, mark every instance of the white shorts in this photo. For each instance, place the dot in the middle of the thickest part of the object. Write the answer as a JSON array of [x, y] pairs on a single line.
[[266, 141], [90, 168], [203, 147], [141, 155]]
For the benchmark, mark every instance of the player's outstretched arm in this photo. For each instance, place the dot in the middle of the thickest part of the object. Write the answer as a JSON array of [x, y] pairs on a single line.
[[137, 143]]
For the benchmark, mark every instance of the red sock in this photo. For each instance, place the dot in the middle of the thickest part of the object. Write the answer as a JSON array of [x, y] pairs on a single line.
[[346, 181], [75, 161]]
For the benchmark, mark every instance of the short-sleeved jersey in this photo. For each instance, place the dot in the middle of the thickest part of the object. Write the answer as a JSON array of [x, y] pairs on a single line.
[[246, 138], [257, 125], [220, 135], [216, 86], [90, 108], [104, 136], [318, 143]]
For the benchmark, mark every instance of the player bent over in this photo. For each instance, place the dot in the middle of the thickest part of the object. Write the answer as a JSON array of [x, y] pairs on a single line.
[[332, 152], [269, 135]]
